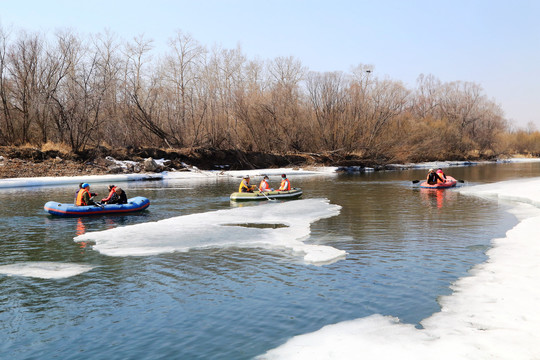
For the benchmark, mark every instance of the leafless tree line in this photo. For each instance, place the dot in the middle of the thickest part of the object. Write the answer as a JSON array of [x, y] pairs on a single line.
[[103, 91]]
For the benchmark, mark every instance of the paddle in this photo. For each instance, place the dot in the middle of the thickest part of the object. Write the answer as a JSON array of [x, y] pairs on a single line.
[[258, 188], [417, 181]]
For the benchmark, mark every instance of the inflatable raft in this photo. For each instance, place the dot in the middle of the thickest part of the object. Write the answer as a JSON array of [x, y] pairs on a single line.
[[450, 182], [135, 204], [257, 195]]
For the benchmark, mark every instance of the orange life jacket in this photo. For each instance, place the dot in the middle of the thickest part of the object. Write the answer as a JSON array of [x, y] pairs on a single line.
[[285, 185], [442, 177], [80, 197], [263, 186]]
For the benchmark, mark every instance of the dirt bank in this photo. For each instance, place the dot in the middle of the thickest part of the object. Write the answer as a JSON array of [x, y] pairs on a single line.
[[33, 162]]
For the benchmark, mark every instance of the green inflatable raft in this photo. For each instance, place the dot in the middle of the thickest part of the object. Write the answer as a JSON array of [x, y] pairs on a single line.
[[257, 195]]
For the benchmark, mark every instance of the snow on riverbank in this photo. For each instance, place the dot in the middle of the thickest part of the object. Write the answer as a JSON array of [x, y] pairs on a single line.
[[491, 314], [193, 174]]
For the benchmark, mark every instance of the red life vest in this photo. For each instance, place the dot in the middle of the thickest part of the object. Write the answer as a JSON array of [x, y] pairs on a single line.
[[113, 190], [263, 186], [442, 177]]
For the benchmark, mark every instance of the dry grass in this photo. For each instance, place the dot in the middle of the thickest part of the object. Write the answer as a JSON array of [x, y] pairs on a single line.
[[60, 147]]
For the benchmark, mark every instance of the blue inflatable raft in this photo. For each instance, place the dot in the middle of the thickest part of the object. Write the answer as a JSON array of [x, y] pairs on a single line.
[[135, 204]]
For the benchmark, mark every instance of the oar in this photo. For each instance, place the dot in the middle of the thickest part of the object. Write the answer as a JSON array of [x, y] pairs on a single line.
[[417, 181], [264, 194]]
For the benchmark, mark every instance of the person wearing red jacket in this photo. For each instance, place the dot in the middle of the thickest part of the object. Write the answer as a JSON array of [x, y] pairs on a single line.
[[112, 190], [119, 197]]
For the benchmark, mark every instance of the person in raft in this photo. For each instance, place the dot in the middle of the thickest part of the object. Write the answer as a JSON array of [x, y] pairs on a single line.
[[244, 185], [112, 191], [77, 193], [84, 196], [285, 183], [264, 186], [441, 174], [119, 197], [433, 178]]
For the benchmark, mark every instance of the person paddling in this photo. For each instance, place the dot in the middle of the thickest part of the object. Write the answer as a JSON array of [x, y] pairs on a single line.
[[77, 193], [84, 197], [433, 178], [264, 186]]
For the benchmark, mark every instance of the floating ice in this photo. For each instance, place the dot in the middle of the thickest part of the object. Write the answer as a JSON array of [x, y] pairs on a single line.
[[492, 314], [525, 191], [217, 229], [44, 269]]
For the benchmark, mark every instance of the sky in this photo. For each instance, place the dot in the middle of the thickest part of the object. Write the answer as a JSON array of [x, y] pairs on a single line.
[[493, 43]]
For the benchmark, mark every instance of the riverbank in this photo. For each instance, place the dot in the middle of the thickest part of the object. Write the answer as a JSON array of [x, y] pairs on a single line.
[[16, 162], [33, 162]]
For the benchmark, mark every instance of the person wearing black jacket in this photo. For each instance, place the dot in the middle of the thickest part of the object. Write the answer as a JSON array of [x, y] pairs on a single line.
[[433, 177], [119, 197]]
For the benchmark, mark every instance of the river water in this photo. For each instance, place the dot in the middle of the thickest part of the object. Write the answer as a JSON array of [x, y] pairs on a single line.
[[405, 246]]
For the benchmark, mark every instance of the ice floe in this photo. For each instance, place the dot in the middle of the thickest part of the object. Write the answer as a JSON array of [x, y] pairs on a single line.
[[236, 227], [44, 269]]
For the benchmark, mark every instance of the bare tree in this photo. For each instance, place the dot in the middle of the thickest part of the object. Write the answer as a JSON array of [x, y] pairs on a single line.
[[427, 97], [328, 101], [87, 92], [143, 91], [23, 57], [182, 72], [7, 126], [108, 79]]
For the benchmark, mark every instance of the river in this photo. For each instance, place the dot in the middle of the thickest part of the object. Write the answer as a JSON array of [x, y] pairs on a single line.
[[221, 299]]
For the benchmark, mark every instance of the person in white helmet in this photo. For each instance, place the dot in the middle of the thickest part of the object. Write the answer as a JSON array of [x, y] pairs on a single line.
[[244, 185]]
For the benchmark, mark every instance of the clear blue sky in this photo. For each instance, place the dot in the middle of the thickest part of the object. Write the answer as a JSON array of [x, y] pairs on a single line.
[[493, 43]]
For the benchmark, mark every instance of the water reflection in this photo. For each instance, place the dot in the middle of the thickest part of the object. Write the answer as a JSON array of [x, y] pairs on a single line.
[[81, 225], [437, 197], [81, 228]]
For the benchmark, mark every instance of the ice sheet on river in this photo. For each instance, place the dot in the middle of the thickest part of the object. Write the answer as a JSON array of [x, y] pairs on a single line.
[[492, 314], [44, 269], [251, 226]]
